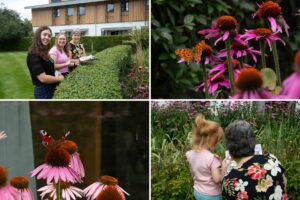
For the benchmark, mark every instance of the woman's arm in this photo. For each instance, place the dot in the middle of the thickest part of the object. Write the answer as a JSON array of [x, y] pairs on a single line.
[[48, 79], [58, 66]]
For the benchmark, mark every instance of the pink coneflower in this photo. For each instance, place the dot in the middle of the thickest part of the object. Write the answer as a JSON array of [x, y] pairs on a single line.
[[261, 33], [56, 167], [249, 84], [221, 28], [215, 83], [6, 190], [75, 162], [272, 11], [2, 135], [68, 191], [105, 189], [292, 83], [240, 49], [223, 67], [21, 188]]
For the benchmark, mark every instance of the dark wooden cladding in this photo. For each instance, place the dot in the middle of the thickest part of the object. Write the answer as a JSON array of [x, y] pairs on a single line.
[[95, 13]]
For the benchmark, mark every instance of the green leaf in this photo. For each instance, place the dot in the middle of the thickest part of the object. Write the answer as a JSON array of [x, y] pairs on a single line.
[[269, 77], [202, 19], [188, 19]]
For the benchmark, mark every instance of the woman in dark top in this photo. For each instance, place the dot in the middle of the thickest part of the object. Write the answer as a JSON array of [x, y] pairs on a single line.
[[253, 177], [77, 49], [41, 66]]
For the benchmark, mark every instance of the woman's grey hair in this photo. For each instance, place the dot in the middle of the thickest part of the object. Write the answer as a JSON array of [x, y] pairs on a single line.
[[240, 139], [75, 31]]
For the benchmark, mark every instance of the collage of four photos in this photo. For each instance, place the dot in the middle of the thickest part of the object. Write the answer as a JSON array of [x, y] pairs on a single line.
[[149, 100]]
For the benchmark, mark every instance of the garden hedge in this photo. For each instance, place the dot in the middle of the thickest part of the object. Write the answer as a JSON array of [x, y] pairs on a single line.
[[98, 80], [99, 43]]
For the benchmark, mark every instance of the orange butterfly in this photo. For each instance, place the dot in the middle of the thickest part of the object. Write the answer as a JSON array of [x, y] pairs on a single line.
[[194, 54]]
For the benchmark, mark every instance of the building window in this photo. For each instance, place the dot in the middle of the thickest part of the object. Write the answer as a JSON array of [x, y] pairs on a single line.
[[70, 11], [147, 4], [124, 5], [82, 10], [56, 12], [110, 7], [55, 1]]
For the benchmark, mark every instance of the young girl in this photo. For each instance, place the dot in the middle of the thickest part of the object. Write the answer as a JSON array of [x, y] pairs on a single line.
[[60, 54], [204, 165], [41, 66]]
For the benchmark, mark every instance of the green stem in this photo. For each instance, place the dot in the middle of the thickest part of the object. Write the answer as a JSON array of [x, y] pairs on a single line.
[[276, 62], [242, 62], [58, 192], [230, 67], [204, 74], [263, 53]]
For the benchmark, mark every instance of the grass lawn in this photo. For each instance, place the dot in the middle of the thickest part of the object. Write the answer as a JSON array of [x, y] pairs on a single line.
[[15, 81]]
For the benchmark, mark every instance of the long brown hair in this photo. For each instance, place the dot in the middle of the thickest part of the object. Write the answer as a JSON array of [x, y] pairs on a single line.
[[37, 47], [66, 47]]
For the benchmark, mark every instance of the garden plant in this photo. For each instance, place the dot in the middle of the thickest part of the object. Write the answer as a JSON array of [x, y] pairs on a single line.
[[276, 125], [215, 41]]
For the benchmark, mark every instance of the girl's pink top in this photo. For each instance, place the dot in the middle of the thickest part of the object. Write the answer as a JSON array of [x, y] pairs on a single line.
[[291, 86], [201, 165], [61, 57]]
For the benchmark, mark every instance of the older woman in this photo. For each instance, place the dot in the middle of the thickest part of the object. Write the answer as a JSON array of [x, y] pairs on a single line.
[[253, 176], [77, 49]]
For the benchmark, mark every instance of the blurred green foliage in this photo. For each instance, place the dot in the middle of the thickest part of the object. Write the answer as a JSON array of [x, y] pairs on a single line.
[[175, 25]]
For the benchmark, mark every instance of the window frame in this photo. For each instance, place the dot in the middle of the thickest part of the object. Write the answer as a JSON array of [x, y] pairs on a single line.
[[110, 3], [122, 4], [79, 11], [68, 8], [56, 12]]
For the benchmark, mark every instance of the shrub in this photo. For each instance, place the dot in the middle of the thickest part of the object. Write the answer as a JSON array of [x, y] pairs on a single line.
[[98, 80]]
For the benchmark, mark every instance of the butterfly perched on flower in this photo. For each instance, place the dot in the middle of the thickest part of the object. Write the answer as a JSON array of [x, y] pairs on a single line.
[[194, 54], [47, 139]]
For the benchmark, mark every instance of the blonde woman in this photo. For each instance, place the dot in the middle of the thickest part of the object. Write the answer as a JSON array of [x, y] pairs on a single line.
[[60, 54], [205, 166]]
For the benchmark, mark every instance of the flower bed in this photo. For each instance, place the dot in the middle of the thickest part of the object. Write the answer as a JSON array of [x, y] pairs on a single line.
[[276, 125]]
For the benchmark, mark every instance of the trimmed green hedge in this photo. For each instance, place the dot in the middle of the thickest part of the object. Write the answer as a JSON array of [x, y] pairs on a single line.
[[98, 80], [98, 43]]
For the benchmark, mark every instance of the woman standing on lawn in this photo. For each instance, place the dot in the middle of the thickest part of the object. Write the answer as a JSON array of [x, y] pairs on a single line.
[[60, 54], [41, 66], [77, 48]]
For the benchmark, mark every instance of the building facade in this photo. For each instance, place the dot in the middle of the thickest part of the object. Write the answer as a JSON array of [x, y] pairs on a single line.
[[92, 17]]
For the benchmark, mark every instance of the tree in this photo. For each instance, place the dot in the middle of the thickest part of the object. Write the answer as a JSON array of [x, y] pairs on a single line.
[[12, 27]]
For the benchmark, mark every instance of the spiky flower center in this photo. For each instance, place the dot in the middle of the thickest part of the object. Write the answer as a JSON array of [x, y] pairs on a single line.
[[217, 79], [207, 50], [110, 193], [108, 180], [235, 63], [239, 46], [3, 176], [70, 146], [249, 79], [226, 23], [269, 9], [20, 182], [263, 31], [58, 157]]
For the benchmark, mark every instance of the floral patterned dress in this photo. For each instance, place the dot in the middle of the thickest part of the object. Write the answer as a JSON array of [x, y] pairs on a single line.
[[259, 178]]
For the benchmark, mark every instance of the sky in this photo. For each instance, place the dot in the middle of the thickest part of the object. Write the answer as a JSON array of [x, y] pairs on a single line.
[[18, 5]]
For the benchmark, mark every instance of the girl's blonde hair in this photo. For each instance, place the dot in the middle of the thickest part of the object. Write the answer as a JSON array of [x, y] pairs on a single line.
[[66, 48], [204, 131]]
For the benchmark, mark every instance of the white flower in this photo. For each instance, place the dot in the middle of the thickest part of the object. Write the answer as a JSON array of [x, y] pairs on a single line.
[[68, 191], [241, 185], [2, 135], [273, 166], [277, 194], [274, 157]]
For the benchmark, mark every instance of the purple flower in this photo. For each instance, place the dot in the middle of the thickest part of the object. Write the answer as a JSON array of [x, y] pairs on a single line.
[[214, 83]]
